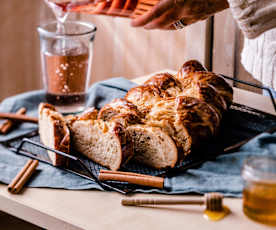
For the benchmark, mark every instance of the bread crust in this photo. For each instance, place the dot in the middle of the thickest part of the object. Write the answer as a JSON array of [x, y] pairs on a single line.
[[144, 97], [204, 85], [120, 106], [199, 118], [189, 121], [126, 119], [191, 80], [125, 142], [61, 133], [62, 142], [89, 114], [167, 84], [190, 67]]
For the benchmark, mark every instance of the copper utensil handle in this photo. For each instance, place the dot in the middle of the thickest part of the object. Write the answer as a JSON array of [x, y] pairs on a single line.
[[156, 182], [126, 173]]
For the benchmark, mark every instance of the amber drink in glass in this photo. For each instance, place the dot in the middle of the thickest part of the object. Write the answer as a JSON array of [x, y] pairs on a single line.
[[66, 56]]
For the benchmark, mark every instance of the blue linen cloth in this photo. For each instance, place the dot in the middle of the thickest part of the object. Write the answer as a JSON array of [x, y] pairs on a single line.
[[221, 175]]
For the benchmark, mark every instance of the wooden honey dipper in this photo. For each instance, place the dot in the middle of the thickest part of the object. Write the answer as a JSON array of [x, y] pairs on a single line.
[[213, 202]]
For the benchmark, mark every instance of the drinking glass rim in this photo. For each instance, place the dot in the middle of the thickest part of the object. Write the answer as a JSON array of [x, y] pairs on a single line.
[[42, 31]]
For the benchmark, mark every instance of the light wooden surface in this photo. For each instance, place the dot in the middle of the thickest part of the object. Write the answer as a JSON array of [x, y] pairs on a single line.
[[64, 209], [59, 209]]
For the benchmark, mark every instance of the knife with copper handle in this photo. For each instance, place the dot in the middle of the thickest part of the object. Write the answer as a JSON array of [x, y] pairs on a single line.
[[132, 178]]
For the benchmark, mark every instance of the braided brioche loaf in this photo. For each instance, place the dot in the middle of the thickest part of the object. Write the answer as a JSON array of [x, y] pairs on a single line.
[[162, 121], [188, 106], [189, 121], [152, 145]]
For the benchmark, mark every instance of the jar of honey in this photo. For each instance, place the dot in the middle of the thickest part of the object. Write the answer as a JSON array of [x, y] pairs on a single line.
[[259, 194]]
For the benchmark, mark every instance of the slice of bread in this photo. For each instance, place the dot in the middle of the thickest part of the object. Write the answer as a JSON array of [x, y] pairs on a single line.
[[152, 146], [106, 143], [189, 121], [54, 133]]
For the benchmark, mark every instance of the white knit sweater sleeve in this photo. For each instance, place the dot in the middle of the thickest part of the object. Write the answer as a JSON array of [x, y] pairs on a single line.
[[254, 16], [257, 20]]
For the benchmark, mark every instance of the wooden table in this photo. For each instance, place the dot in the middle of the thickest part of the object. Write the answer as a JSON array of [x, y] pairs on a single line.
[[63, 209]]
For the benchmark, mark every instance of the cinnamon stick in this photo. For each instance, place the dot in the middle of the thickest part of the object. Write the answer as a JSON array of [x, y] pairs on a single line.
[[18, 117], [8, 124], [22, 177], [133, 178], [19, 175]]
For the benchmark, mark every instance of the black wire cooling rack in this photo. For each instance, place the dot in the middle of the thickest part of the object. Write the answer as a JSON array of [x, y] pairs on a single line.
[[240, 123]]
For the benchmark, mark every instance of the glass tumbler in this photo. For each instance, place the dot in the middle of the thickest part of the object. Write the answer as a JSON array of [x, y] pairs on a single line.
[[259, 194], [66, 56]]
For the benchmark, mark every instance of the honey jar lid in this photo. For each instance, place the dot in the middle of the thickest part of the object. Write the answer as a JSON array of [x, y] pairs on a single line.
[[260, 169]]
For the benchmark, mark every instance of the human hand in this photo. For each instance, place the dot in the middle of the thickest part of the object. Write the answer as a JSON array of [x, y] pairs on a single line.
[[164, 14]]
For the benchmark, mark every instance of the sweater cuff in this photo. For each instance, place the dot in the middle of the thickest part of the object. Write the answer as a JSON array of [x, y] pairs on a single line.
[[254, 16]]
